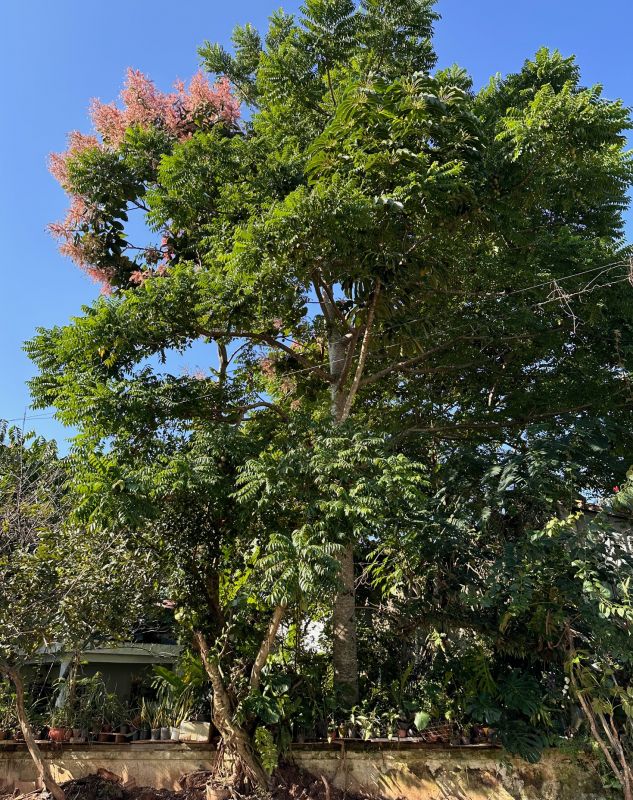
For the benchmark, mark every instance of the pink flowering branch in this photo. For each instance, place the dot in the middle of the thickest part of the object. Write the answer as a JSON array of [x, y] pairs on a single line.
[[179, 113]]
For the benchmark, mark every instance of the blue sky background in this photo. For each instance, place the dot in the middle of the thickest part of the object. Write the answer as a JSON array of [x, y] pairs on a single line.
[[55, 55]]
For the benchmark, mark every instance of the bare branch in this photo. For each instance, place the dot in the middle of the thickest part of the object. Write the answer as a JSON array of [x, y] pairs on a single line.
[[329, 305], [266, 338], [364, 351]]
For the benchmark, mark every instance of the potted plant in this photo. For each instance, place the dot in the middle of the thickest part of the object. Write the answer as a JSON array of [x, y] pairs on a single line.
[[59, 729], [390, 723], [76, 720], [110, 713], [84, 720], [165, 733], [155, 716], [177, 697], [146, 720], [332, 729], [134, 724], [122, 730], [365, 723], [174, 730], [178, 707]]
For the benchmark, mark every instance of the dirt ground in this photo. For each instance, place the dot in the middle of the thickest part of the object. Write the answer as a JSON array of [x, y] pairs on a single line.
[[289, 783]]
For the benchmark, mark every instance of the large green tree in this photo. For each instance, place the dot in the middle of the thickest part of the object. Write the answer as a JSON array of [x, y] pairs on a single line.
[[378, 247]]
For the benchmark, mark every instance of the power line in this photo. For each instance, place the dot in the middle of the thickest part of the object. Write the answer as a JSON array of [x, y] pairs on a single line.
[[502, 294], [464, 327], [26, 417]]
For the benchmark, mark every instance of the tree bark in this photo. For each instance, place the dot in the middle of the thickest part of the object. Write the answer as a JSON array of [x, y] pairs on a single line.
[[345, 654], [625, 774], [613, 736], [266, 646], [236, 741], [342, 341], [43, 769]]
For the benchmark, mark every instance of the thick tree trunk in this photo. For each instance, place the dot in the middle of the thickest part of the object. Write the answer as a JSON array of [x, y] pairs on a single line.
[[236, 740], [345, 653], [42, 767]]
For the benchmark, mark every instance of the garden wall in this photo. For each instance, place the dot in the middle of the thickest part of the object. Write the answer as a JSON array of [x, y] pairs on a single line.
[[388, 769], [147, 764], [427, 772]]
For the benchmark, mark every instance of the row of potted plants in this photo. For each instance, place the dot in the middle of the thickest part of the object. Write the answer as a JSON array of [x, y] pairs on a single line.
[[83, 709], [87, 711], [157, 720], [160, 720]]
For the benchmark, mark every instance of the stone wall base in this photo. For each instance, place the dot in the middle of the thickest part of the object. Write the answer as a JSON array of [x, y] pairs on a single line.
[[144, 764], [394, 771], [390, 770]]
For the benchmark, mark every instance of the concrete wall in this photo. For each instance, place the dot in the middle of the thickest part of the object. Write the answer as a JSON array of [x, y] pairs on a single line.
[[424, 772], [145, 764], [389, 770]]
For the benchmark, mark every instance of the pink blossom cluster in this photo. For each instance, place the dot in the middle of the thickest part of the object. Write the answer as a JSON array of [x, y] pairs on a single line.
[[79, 215], [58, 162], [139, 276], [177, 111]]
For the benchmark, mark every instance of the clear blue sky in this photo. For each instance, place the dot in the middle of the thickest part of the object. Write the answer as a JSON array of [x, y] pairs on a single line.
[[56, 55]]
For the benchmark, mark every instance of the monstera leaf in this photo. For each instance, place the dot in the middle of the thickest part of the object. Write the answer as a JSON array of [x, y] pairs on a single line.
[[521, 739]]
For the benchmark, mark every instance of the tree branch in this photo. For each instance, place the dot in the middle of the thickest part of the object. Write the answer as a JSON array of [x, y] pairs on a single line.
[[364, 351], [500, 425], [328, 303], [400, 366], [315, 368], [349, 357], [271, 341], [223, 362], [266, 646]]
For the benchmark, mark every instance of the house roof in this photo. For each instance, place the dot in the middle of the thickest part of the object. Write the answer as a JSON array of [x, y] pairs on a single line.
[[126, 653]]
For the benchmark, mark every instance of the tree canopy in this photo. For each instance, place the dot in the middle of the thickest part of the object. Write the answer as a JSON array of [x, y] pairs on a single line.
[[415, 295]]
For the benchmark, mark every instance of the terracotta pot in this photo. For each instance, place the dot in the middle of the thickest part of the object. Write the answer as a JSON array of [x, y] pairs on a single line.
[[104, 737], [120, 738], [3, 736], [402, 733], [57, 734]]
